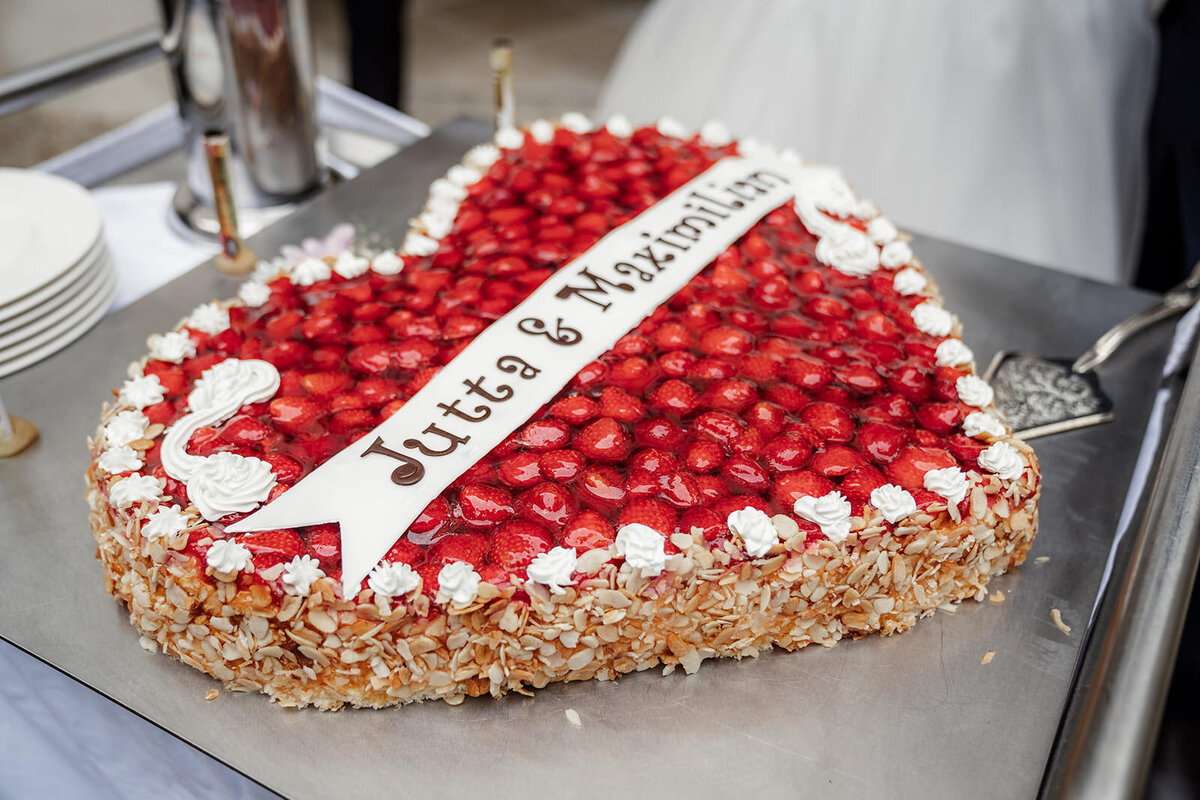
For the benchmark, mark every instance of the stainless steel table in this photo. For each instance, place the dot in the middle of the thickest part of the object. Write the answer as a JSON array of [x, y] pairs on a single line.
[[905, 716]]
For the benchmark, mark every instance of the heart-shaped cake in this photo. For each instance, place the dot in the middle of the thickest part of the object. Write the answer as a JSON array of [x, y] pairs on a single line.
[[787, 445]]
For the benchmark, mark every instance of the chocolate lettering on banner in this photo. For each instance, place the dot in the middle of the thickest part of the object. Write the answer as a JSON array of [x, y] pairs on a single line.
[[481, 412], [562, 334], [576, 315], [749, 185], [410, 470], [476, 387], [585, 292], [647, 254], [705, 220], [512, 364], [703, 210], [737, 204], [683, 248], [454, 442], [686, 230], [629, 269], [763, 173]]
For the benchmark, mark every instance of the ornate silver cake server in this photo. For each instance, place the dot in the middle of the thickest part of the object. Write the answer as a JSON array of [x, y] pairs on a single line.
[[1040, 396]]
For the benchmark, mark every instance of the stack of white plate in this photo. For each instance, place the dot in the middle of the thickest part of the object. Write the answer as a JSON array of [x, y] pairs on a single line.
[[56, 277]]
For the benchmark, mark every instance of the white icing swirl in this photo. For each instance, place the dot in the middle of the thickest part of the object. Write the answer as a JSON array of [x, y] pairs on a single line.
[[266, 271], [301, 573], [893, 502], [715, 133], [125, 427], [669, 126], [388, 263], [172, 347], [443, 207], [789, 156], [932, 319], [620, 126], [457, 583], [831, 512], [418, 244], [949, 482], [542, 131], [479, 157], [848, 250], [226, 555], [895, 254], [882, 231], [1003, 459], [828, 191], [220, 391], [166, 521], [232, 383], [756, 529], [909, 281], [116, 460], [974, 391], [310, 271], [554, 568], [981, 423], [643, 548], [349, 265], [254, 294], [226, 483], [443, 189], [575, 122], [136, 488], [393, 580], [462, 175], [141, 391], [208, 318], [953, 352], [509, 138], [436, 225]]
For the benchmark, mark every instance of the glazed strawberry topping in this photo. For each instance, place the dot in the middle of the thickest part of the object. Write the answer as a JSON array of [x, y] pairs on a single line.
[[769, 377]]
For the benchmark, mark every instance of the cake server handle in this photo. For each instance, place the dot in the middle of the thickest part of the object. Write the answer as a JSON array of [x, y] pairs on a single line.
[[1175, 301]]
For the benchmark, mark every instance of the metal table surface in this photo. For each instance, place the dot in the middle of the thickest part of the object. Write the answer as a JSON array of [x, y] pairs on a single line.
[[903, 716]]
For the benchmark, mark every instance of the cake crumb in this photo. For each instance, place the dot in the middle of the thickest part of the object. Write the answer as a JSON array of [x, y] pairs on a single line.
[[573, 718], [1056, 615], [211, 694], [1041, 559], [996, 597], [987, 657]]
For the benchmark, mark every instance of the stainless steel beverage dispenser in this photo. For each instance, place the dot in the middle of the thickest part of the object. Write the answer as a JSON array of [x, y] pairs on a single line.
[[245, 68]]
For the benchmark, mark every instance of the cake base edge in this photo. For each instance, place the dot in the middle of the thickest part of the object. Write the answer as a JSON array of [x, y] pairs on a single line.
[[328, 652]]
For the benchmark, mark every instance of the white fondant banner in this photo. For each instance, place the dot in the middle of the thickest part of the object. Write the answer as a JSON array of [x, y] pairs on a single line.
[[376, 487]]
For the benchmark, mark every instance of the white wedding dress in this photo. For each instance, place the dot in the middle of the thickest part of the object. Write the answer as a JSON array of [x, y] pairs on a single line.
[[1014, 126]]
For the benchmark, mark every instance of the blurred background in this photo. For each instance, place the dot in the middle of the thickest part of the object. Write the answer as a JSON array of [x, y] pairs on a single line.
[[565, 49], [1028, 129]]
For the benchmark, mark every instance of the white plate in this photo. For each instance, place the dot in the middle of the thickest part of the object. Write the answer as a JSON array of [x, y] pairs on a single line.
[[57, 286], [49, 225], [55, 340], [90, 289], [61, 303]]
